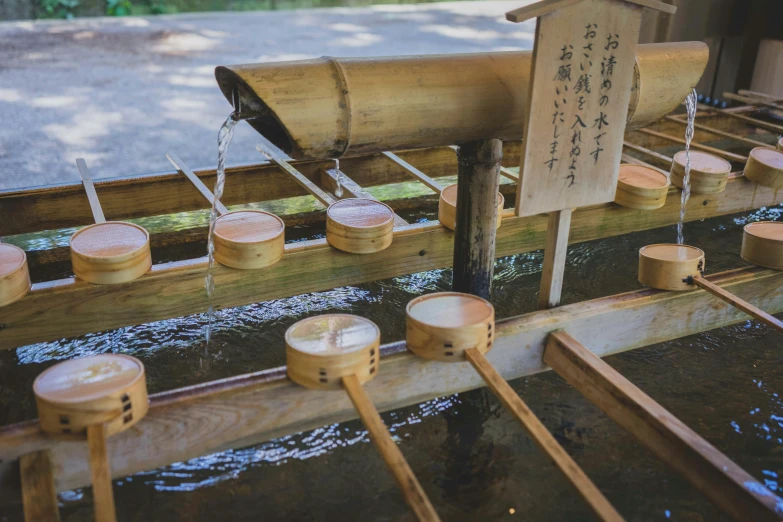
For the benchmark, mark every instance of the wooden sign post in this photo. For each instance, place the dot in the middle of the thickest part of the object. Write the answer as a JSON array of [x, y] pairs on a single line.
[[583, 64]]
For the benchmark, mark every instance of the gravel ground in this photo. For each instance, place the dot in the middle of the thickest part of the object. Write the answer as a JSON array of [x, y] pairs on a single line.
[[121, 92]]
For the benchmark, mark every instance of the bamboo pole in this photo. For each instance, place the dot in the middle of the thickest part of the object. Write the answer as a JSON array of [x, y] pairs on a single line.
[[477, 214], [196, 181], [735, 301], [330, 107], [416, 173], [727, 485], [249, 409], [391, 454], [541, 436]]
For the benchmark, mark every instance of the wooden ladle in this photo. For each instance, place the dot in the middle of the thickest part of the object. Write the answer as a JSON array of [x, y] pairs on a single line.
[[108, 252], [454, 327], [96, 396], [245, 239], [14, 274], [679, 267], [341, 351]]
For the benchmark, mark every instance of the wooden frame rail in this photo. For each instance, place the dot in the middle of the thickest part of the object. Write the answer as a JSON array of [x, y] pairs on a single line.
[[68, 307], [727, 485], [248, 409]]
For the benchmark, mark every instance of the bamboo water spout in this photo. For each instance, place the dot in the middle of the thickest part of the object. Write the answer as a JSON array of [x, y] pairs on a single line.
[[329, 107]]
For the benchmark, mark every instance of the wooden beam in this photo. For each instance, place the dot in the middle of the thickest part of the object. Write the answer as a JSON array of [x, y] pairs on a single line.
[[727, 485], [67, 308], [351, 189], [477, 214], [248, 409], [416, 173], [62, 206], [696, 146], [555, 251], [37, 481]]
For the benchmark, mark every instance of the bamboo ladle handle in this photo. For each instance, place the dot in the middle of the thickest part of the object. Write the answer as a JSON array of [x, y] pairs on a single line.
[[103, 496], [735, 301], [542, 437], [406, 480], [181, 166], [92, 196]]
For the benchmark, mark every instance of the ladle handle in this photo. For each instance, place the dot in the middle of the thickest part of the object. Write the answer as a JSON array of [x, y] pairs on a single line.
[[406, 480], [92, 196], [542, 437], [735, 301], [324, 198], [103, 496], [181, 166]]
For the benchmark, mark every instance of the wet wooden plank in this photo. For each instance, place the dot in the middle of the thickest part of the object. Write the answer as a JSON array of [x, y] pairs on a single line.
[[39, 497], [67, 308], [726, 484], [249, 409]]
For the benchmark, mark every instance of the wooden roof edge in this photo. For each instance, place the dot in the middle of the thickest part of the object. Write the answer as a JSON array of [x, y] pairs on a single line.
[[548, 6]]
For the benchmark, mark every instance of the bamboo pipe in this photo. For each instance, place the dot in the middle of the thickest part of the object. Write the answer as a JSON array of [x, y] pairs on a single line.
[[342, 351], [329, 107], [448, 326]]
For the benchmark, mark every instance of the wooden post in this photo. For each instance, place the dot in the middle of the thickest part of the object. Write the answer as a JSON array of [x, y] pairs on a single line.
[[478, 183], [38, 494], [727, 485], [554, 258]]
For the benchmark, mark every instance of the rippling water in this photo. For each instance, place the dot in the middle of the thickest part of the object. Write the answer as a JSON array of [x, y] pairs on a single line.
[[472, 457]]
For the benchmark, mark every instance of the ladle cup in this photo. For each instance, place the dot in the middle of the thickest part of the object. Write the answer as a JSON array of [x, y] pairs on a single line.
[[96, 397], [455, 327], [108, 252], [245, 239], [14, 274], [679, 267], [342, 351]]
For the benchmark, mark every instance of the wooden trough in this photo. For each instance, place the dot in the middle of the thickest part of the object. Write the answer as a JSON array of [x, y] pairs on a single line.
[[251, 408]]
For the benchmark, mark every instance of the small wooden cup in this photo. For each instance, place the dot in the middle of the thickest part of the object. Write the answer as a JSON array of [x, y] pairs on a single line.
[[447, 207], [14, 274], [321, 350], [762, 244], [249, 239], [111, 252], [359, 226], [668, 266], [709, 173], [95, 396], [442, 326], [641, 187], [101, 389], [765, 167]]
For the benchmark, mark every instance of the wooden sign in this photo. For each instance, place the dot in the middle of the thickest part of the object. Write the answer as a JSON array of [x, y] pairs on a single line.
[[583, 63]]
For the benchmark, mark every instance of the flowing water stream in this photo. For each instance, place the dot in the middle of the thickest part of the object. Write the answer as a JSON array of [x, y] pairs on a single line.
[[338, 191], [225, 134], [690, 106]]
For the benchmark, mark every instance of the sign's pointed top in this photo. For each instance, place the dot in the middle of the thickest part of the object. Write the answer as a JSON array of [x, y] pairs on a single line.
[[544, 7]]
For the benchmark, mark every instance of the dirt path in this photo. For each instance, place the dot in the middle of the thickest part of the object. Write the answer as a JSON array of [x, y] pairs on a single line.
[[122, 92]]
